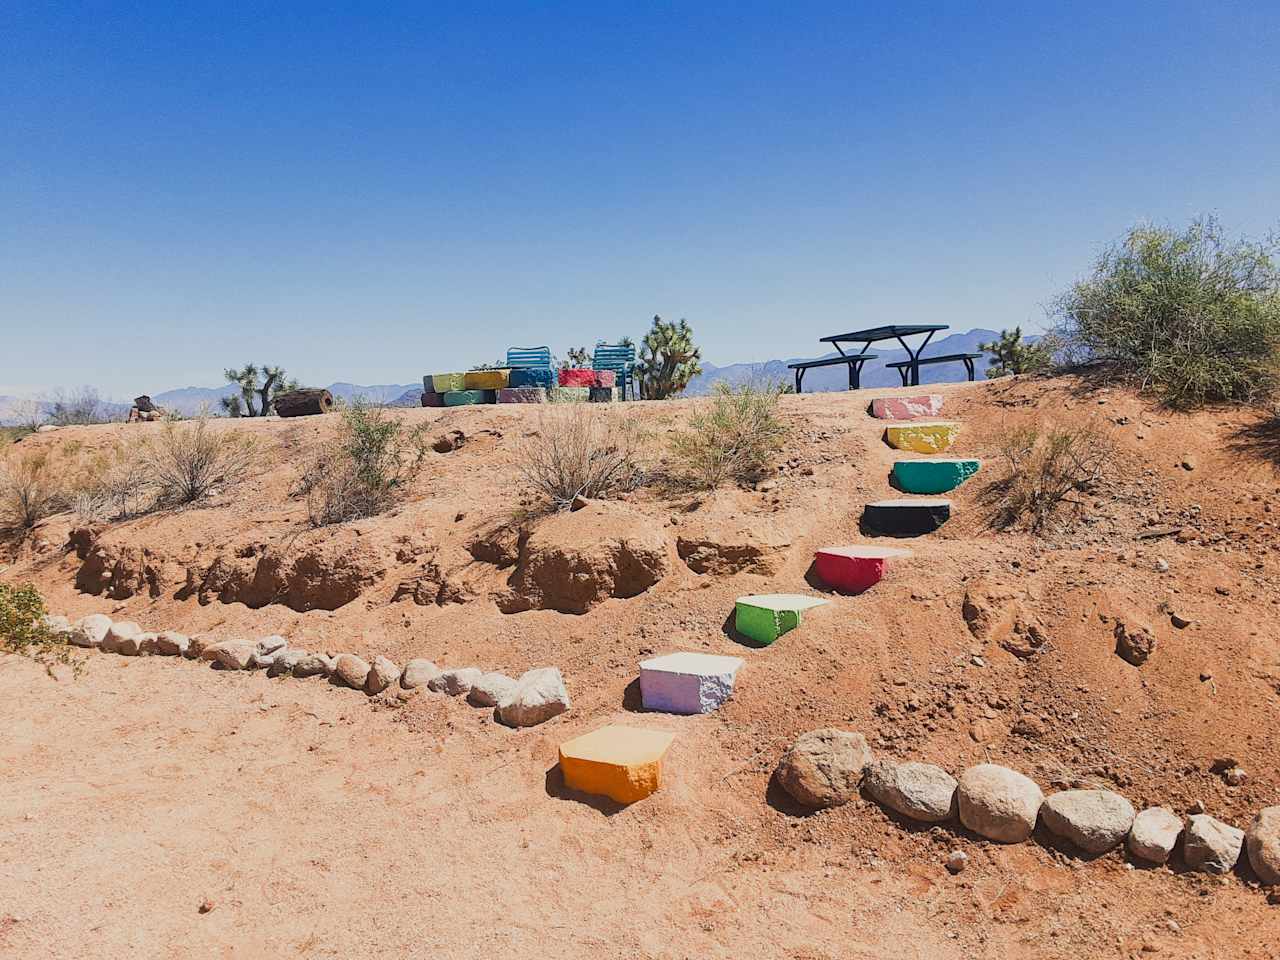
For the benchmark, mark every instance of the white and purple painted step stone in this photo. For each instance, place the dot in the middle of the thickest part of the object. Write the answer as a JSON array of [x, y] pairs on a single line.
[[687, 682]]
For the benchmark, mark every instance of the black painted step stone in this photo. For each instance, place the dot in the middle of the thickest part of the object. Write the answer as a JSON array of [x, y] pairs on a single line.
[[912, 517]]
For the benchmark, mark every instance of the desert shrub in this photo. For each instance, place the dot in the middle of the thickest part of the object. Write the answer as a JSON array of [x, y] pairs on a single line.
[[1015, 355], [363, 471], [70, 408], [582, 450], [23, 629], [30, 490], [188, 460], [733, 436], [1191, 315], [1046, 463]]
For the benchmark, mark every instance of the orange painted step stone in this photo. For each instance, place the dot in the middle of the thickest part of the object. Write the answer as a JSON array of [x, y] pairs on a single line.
[[621, 763]]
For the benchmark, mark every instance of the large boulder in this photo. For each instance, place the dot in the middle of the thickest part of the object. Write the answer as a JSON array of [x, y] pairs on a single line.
[[578, 559], [824, 767], [121, 632], [350, 671], [1262, 841], [1154, 834], [537, 696], [1210, 845], [418, 673], [90, 631], [382, 674], [919, 791], [1094, 820], [998, 803], [489, 690], [455, 681]]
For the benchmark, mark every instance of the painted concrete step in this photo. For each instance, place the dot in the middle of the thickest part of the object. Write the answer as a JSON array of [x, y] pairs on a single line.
[[912, 517], [855, 568], [907, 408], [569, 394], [923, 436], [687, 682], [466, 398], [618, 762], [935, 475], [444, 382], [532, 377], [487, 379], [522, 395], [765, 617]]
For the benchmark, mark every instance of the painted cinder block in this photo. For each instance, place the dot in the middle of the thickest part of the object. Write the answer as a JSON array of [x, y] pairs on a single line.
[[532, 377], [466, 398], [432, 399], [486, 379], [935, 475], [855, 568], [522, 395], [765, 617], [446, 382], [621, 763], [906, 517], [605, 378], [603, 394], [577, 377], [569, 394], [929, 436], [907, 408], [687, 682]]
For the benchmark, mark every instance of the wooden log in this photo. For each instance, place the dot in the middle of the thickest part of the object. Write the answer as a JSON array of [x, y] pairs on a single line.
[[302, 403]]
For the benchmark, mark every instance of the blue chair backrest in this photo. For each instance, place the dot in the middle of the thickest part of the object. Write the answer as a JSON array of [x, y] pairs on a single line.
[[529, 357], [619, 357]]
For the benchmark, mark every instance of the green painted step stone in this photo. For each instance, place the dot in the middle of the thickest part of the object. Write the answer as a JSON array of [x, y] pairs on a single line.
[[465, 398], [763, 618], [569, 394], [936, 475]]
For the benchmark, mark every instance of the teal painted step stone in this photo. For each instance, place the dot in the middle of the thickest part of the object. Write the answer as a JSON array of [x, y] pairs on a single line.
[[765, 617], [465, 398], [936, 475]]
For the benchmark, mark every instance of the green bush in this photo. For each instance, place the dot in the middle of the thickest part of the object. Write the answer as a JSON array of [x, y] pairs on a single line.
[[24, 630], [1015, 355], [733, 436], [1192, 316]]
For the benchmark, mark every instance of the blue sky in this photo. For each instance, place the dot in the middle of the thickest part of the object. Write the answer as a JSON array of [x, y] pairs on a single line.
[[370, 192]]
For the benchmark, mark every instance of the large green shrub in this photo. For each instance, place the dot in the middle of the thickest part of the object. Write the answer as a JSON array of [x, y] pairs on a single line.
[[668, 359], [1191, 315], [24, 629], [733, 436]]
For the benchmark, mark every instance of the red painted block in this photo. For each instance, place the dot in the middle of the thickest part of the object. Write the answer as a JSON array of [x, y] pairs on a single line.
[[605, 378], [854, 569], [577, 377], [907, 408]]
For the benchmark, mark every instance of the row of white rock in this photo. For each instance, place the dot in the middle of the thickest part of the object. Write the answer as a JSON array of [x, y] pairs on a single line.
[[537, 696], [827, 767]]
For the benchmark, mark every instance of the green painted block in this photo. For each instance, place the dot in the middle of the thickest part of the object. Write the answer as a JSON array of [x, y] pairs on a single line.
[[936, 475], [569, 394], [466, 398], [766, 617]]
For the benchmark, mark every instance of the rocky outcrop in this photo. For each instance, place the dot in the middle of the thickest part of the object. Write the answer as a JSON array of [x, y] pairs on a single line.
[[431, 587]]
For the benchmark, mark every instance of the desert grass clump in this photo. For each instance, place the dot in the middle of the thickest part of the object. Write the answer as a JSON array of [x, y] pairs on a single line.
[[366, 468], [29, 490], [582, 450], [188, 461], [734, 436], [24, 629], [1191, 316], [1045, 464]]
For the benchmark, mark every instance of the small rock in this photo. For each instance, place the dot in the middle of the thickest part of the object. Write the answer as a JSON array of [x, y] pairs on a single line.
[[313, 665], [206, 905], [998, 803], [1094, 820], [138, 645], [229, 654], [118, 634], [1262, 841], [172, 644], [1188, 462], [578, 503], [824, 767], [1162, 565], [1134, 643], [349, 670], [271, 644], [1234, 776], [382, 674], [489, 690], [455, 681], [56, 624], [538, 696], [91, 630], [285, 662], [957, 860], [1210, 845], [920, 791], [418, 673], [1179, 621], [1154, 834]]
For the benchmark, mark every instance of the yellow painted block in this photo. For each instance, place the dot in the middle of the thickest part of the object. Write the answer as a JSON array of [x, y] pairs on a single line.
[[488, 379], [932, 436], [621, 763]]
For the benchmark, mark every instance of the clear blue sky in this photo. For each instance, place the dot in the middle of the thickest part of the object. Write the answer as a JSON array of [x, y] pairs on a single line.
[[368, 192]]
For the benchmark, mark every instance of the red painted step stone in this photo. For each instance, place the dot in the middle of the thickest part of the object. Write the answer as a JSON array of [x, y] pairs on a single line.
[[907, 408], [855, 568], [583, 377]]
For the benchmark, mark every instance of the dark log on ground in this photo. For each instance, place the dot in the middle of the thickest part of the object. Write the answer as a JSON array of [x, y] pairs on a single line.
[[302, 403]]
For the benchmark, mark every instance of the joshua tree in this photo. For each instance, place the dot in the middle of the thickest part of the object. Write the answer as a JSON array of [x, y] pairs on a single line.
[[668, 359], [1014, 355], [578, 358], [261, 383]]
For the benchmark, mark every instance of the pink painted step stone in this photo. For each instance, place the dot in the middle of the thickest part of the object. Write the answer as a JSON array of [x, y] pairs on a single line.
[[907, 408]]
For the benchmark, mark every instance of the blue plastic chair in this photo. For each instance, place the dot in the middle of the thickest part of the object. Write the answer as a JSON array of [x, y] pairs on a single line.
[[621, 359], [529, 357]]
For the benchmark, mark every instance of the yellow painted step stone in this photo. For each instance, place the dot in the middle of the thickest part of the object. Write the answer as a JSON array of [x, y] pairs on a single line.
[[621, 763], [923, 436]]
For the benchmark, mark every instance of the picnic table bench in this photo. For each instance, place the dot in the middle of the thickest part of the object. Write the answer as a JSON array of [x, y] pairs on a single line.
[[897, 331], [801, 367], [904, 366]]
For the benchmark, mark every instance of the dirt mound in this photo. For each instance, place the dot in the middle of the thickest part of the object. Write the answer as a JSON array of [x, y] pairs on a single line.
[[574, 561], [726, 547]]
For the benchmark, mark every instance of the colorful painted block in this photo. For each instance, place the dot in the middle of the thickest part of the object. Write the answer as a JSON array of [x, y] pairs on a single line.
[[486, 379], [569, 394], [603, 394], [532, 377], [923, 436], [432, 399], [855, 568], [906, 518], [907, 408], [936, 475], [522, 395], [765, 617], [605, 378], [621, 763], [577, 377], [687, 682], [447, 382], [466, 398]]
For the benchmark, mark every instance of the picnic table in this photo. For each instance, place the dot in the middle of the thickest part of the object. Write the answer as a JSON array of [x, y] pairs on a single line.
[[889, 332]]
